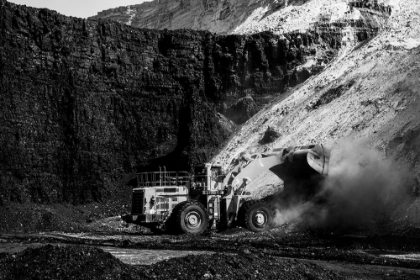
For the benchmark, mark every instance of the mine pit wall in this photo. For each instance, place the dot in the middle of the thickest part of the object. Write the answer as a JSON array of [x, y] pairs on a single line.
[[83, 102]]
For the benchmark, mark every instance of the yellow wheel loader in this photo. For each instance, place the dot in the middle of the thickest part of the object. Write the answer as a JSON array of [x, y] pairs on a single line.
[[181, 202]]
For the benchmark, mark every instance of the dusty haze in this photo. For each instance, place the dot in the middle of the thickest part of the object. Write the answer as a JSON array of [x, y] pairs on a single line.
[[363, 188]]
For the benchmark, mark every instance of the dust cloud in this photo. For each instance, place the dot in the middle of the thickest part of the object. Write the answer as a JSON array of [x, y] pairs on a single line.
[[362, 190]]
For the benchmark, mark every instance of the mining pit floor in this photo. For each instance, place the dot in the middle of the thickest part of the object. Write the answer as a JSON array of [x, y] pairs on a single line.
[[233, 254]]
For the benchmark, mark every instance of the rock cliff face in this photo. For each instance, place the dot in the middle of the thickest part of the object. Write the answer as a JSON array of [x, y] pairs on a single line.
[[83, 103]]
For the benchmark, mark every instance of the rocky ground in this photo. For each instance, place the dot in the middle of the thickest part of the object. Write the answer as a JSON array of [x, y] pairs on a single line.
[[282, 253]]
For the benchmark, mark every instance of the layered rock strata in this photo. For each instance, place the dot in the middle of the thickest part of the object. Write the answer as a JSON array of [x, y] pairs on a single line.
[[83, 103]]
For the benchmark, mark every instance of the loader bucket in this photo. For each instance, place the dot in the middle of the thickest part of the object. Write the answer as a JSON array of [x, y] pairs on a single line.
[[319, 158]]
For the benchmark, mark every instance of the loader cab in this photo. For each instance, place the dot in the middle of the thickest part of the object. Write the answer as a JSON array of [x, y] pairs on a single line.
[[200, 175], [208, 176]]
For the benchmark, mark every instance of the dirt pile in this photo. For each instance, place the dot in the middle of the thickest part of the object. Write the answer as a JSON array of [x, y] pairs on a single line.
[[67, 262], [246, 265], [81, 262]]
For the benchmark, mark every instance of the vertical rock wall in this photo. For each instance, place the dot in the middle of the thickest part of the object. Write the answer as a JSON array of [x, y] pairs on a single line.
[[83, 103]]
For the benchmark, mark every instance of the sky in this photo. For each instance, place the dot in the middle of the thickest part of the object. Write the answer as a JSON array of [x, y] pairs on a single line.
[[77, 8]]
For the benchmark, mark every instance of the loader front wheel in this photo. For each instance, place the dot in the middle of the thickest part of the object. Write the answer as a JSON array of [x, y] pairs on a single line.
[[256, 215], [191, 217]]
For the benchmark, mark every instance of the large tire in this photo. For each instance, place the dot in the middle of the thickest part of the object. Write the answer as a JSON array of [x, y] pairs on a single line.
[[256, 215], [190, 217]]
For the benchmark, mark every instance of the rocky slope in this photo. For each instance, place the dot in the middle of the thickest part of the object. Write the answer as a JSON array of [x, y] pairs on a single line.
[[366, 105], [369, 91], [244, 17], [211, 15]]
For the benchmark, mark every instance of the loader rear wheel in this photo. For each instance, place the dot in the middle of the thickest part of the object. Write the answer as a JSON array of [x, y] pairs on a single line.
[[191, 217], [256, 215]]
